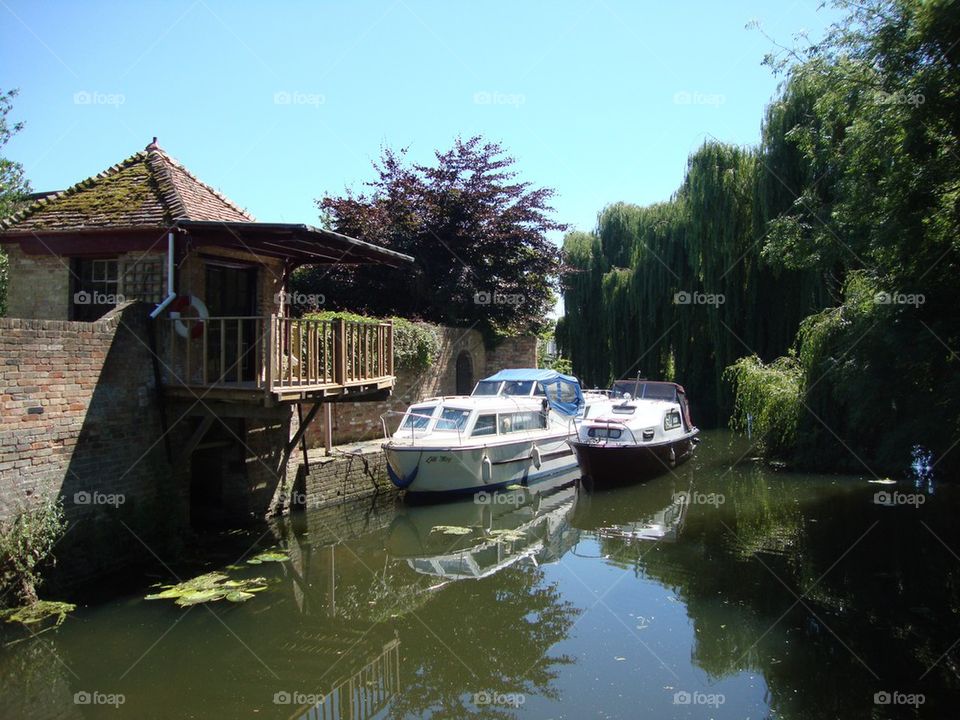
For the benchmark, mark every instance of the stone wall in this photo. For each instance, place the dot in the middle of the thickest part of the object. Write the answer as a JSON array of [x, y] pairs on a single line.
[[80, 421], [359, 421], [39, 285], [351, 473]]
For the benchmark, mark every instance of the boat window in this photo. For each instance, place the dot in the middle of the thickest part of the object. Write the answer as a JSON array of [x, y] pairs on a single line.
[[485, 425], [522, 421], [656, 391], [418, 417], [539, 391], [453, 419], [518, 387], [528, 421], [561, 392], [671, 420], [605, 432], [487, 387], [624, 409]]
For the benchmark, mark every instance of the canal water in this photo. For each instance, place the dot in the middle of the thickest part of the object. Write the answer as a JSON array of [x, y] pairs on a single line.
[[724, 590]]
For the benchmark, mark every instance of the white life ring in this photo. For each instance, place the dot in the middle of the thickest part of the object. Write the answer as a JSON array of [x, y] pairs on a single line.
[[179, 305]]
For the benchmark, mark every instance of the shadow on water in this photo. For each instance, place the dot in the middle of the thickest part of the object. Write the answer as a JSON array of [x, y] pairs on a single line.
[[790, 596]]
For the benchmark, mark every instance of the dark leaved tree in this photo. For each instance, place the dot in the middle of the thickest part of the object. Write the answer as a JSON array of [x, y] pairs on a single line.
[[477, 234]]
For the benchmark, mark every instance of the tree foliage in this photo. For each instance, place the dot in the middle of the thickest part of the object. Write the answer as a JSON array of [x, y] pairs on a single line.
[[13, 182], [477, 234], [834, 244]]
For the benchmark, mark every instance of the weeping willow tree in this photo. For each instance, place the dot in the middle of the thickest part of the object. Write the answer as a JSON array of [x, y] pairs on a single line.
[[680, 290]]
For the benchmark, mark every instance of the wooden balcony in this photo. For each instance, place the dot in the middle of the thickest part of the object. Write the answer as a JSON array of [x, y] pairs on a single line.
[[275, 359]]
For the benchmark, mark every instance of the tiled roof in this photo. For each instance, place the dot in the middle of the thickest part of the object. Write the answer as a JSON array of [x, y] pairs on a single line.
[[148, 189]]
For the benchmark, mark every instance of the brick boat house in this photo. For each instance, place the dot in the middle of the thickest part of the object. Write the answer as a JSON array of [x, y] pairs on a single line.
[[151, 370]]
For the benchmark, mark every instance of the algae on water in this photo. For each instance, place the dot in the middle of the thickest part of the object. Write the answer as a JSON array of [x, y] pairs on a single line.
[[210, 587]]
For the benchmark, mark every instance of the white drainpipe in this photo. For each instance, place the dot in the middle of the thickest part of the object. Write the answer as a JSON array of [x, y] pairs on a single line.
[[171, 295]]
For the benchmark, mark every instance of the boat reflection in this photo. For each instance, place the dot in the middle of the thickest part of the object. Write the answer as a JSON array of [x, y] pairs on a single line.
[[655, 510], [477, 537]]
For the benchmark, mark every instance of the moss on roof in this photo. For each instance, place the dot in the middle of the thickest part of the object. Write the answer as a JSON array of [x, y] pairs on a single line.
[[148, 189]]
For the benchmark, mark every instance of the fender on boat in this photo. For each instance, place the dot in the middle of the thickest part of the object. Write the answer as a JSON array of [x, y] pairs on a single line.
[[535, 455], [486, 470], [402, 482]]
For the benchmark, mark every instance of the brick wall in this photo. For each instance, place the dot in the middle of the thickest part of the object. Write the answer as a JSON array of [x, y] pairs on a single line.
[[39, 285], [352, 473], [80, 421]]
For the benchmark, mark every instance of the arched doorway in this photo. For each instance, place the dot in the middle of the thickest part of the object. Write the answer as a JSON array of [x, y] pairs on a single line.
[[464, 373]]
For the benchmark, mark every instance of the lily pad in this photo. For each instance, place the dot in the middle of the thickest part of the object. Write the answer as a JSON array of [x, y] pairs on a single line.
[[268, 556], [451, 530], [210, 587], [507, 535], [195, 597]]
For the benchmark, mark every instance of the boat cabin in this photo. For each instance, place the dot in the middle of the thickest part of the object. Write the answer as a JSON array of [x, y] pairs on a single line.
[[511, 401]]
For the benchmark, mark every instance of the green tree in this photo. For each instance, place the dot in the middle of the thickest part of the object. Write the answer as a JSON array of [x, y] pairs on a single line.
[[478, 236], [13, 183]]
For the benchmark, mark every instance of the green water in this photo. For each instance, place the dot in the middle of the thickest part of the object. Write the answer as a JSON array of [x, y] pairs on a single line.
[[721, 591]]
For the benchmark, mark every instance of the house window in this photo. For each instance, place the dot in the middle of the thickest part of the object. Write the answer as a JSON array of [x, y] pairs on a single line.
[[94, 289], [143, 280]]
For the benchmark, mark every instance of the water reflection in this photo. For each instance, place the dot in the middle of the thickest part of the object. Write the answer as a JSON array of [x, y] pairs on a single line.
[[791, 596]]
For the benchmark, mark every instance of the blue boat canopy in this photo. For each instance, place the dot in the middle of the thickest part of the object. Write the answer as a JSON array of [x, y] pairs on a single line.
[[562, 391]]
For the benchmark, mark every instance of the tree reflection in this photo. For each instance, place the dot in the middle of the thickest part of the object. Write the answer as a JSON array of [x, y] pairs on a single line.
[[804, 579]]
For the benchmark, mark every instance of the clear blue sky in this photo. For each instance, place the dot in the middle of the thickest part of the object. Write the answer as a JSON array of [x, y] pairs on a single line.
[[278, 103]]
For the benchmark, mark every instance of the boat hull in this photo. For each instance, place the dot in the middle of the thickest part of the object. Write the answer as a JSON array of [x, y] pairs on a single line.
[[465, 470], [604, 464]]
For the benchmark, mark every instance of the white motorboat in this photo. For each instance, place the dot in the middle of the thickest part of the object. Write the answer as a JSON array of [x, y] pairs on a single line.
[[644, 431], [513, 429]]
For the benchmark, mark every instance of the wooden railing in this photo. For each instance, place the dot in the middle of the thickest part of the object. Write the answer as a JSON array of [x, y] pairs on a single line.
[[275, 354]]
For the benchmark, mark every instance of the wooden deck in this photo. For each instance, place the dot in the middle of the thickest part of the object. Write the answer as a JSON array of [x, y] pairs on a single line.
[[275, 359]]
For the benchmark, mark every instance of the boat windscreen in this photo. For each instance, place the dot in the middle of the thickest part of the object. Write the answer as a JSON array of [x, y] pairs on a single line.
[[518, 387], [487, 387], [418, 417], [453, 419]]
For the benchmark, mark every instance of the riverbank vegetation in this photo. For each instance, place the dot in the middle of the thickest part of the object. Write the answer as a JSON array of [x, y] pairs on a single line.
[[26, 540], [819, 267]]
